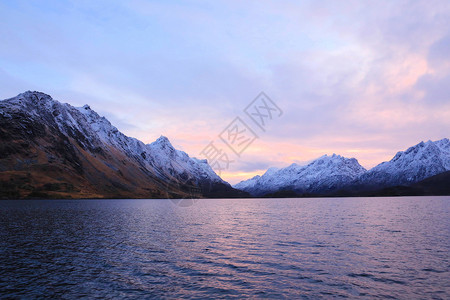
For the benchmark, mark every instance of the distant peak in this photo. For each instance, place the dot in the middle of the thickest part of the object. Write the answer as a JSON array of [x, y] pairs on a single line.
[[163, 139], [327, 157], [162, 142], [33, 98], [335, 159], [270, 171], [427, 143], [86, 107], [35, 92], [36, 95], [338, 156]]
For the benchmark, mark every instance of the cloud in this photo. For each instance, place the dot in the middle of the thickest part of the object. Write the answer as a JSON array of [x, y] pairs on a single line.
[[435, 84], [360, 78]]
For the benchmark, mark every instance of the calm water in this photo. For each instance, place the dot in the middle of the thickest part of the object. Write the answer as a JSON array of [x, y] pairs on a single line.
[[258, 248]]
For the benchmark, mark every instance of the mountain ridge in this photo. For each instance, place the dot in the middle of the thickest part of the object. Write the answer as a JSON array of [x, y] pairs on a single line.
[[88, 157], [417, 163], [327, 173], [50, 149]]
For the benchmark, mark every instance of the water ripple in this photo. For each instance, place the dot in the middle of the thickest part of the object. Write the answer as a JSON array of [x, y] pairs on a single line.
[[250, 248]]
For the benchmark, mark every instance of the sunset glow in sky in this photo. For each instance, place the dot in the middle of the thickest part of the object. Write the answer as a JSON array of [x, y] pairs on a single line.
[[362, 79]]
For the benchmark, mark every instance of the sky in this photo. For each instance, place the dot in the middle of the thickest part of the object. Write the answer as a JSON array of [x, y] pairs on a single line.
[[362, 79]]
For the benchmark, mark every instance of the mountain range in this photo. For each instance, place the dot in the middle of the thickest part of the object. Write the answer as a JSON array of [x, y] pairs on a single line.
[[337, 175], [50, 149], [53, 150]]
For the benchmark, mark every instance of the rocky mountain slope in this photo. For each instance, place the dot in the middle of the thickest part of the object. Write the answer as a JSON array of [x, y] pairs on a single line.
[[50, 149]]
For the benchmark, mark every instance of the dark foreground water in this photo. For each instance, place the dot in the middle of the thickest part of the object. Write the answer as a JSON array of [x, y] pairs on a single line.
[[259, 248]]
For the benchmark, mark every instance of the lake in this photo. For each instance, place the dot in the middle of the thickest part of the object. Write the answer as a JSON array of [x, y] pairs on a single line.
[[226, 248]]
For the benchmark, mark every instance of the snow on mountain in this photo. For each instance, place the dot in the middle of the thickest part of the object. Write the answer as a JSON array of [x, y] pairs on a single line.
[[247, 185], [421, 161], [96, 134], [87, 140], [325, 174], [330, 173], [175, 162]]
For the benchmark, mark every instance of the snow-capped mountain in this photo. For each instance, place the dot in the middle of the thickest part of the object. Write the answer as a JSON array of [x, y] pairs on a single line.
[[50, 149], [323, 175], [421, 161], [78, 147], [329, 174]]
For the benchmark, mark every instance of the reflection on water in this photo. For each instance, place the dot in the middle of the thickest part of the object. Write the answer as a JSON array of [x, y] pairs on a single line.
[[384, 247]]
